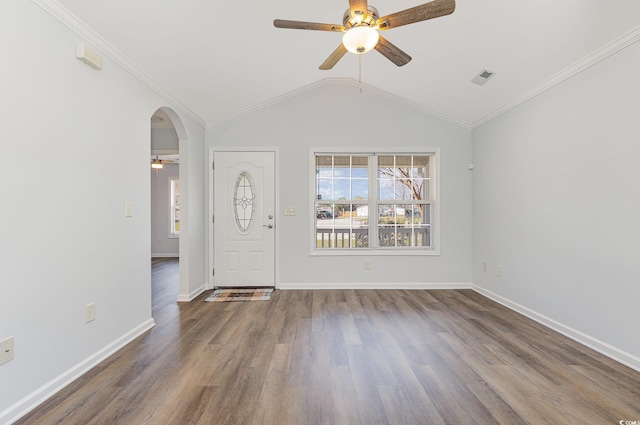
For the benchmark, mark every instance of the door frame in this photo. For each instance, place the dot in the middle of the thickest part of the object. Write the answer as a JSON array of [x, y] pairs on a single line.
[[210, 194]]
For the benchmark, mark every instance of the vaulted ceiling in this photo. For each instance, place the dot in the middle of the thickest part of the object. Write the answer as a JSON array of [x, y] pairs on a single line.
[[219, 58]]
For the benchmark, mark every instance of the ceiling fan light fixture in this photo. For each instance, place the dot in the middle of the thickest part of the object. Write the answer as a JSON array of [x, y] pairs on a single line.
[[157, 163], [360, 39]]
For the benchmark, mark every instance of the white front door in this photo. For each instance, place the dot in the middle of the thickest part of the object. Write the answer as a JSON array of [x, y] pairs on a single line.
[[244, 220]]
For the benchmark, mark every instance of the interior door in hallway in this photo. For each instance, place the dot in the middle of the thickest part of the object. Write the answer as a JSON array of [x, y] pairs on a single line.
[[244, 219]]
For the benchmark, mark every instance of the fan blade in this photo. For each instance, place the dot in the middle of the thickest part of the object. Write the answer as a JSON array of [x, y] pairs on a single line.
[[359, 5], [334, 57], [299, 25], [391, 52], [434, 9]]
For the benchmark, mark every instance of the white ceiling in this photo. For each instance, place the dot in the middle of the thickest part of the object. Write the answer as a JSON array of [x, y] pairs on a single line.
[[221, 58]]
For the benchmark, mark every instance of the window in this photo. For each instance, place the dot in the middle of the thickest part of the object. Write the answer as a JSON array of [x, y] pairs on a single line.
[[383, 202], [174, 208]]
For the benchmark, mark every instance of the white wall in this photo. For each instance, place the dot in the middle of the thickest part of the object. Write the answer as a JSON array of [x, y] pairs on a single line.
[[555, 198], [333, 115], [163, 244], [164, 140], [76, 148]]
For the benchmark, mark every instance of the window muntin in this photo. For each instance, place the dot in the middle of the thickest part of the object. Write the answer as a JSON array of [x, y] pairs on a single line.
[[402, 201], [342, 190]]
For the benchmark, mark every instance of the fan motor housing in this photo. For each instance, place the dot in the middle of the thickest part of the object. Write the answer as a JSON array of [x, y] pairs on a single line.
[[350, 21]]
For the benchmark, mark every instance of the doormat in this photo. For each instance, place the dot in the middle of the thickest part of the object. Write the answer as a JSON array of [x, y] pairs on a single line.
[[240, 294]]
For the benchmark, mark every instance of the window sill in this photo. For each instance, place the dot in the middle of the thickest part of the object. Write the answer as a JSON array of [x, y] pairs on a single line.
[[381, 252]]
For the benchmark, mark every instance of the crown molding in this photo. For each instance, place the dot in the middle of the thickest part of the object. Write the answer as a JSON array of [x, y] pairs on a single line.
[[602, 53], [77, 26], [588, 61], [63, 15], [329, 81]]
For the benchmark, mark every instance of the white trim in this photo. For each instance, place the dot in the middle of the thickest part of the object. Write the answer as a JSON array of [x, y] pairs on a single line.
[[165, 255], [77, 26], [48, 390], [608, 350], [210, 225], [379, 252], [62, 14], [600, 54], [376, 285], [588, 61], [187, 298]]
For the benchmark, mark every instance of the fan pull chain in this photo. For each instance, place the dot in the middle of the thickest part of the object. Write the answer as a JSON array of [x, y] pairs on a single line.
[[360, 72]]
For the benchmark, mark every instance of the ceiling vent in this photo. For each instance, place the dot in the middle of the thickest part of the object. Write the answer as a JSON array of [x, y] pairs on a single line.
[[482, 78]]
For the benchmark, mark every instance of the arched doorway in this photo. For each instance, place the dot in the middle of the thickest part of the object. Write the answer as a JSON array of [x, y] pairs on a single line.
[[168, 201]]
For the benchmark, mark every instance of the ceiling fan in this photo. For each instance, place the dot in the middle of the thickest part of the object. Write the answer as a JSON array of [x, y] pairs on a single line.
[[361, 24]]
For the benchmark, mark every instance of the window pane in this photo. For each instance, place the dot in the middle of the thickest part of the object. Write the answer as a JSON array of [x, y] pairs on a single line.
[[342, 225], [404, 225], [344, 181], [420, 166], [360, 189], [403, 177], [342, 189], [360, 177], [324, 189], [324, 166], [420, 189]]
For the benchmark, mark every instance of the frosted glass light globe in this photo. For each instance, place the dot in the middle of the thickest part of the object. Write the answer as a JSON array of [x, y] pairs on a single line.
[[360, 39]]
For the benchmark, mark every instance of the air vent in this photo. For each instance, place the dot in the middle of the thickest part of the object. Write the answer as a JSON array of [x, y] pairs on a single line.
[[482, 78]]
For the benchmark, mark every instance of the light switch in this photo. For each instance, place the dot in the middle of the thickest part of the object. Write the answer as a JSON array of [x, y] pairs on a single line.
[[128, 209], [289, 211]]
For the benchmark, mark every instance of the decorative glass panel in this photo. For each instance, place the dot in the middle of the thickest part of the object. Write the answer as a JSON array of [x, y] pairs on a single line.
[[244, 202]]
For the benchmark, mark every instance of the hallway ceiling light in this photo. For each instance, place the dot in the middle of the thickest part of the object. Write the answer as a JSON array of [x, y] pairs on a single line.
[[157, 163]]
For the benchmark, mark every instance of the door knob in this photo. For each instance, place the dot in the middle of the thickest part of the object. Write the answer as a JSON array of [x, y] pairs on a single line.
[[270, 226]]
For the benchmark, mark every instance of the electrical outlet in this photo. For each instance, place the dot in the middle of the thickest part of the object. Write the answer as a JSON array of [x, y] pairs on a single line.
[[367, 265], [484, 266], [6, 350], [90, 312], [499, 271]]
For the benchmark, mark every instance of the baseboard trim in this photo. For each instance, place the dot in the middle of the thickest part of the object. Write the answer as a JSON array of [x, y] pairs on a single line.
[[374, 285], [187, 298], [608, 350], [48, 390]]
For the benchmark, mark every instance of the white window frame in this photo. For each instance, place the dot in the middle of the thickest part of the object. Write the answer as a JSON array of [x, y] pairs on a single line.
[[172, 208], [434, 249]]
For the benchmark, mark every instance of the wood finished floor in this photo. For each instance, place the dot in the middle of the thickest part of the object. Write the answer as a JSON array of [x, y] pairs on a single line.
[[346, 358]]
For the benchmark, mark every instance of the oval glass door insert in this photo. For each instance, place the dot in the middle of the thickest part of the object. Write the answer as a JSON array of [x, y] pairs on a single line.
[[244, 202]]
